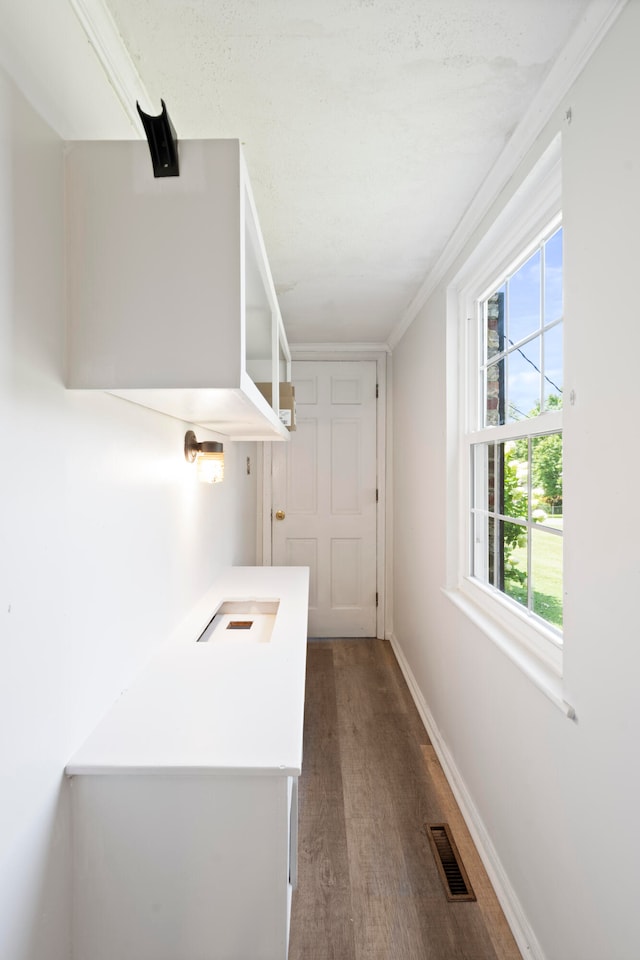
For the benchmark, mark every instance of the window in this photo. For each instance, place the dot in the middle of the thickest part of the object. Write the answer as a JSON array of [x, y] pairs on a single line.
[[515, 437], [504, 427]]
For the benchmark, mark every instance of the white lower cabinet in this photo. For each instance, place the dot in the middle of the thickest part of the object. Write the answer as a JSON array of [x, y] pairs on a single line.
[[185, 796], [183, 867]]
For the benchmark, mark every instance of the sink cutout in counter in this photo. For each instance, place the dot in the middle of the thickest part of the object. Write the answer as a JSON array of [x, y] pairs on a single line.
[[238, 621]]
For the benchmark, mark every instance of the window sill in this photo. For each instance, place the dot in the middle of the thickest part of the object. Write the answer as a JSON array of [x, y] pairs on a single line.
[[544, 671]]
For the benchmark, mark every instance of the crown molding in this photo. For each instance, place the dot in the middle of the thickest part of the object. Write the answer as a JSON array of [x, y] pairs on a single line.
[[103, 35], [596, 22]]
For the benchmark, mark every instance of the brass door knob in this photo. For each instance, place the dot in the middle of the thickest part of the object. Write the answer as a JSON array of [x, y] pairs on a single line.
[[279, 514]]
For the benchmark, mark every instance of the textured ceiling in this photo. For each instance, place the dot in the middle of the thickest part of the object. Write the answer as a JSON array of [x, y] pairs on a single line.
[[368, 126]]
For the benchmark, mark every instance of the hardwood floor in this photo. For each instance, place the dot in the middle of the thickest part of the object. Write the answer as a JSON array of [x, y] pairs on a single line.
[[368, 887]]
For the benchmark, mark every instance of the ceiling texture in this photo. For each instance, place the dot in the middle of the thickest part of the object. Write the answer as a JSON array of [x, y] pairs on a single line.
[[368, 125]]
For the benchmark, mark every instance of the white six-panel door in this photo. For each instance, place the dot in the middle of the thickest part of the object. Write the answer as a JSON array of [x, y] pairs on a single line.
[[324, 485]]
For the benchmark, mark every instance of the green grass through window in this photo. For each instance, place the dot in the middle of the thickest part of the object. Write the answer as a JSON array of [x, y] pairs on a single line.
[[546, 574]]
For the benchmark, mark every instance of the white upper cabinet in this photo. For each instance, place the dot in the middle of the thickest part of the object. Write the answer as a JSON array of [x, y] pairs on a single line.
[[171, 303]]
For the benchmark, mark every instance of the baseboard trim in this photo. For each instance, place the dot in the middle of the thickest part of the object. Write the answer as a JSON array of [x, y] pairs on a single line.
[[520, 927]]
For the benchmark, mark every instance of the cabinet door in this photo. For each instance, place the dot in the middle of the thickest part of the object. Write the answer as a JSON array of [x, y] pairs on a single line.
[[150, 851]]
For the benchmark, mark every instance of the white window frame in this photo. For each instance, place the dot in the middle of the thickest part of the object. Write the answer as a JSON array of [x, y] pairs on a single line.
[[547, 421], [529, 215]]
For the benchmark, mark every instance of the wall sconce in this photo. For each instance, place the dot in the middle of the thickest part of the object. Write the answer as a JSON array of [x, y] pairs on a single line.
[[208, 455]]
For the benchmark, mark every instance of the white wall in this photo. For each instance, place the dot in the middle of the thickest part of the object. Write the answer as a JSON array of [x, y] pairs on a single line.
[[106, 541], [558, 799]]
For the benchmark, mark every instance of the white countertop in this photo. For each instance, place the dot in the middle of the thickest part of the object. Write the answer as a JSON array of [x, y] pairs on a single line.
[[230, 706]]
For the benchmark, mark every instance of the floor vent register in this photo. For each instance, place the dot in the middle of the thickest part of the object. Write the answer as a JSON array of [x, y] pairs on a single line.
[[452, 872]]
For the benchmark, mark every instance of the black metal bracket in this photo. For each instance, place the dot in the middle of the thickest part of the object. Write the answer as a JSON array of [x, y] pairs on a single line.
[[163, 142]]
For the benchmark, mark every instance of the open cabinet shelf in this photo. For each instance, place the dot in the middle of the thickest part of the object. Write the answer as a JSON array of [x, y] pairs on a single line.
[[170, 298]]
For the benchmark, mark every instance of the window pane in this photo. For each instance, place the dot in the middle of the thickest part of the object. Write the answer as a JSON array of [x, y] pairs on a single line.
[[515, 471], [524, 381], [494, 560], [523, 310], [494, 324], [480, 555], [514, 545], [494, 395], [553, 278], [479, 476], [553, 381], [476, 475], [492, 503], [546, 466], [546, 575]]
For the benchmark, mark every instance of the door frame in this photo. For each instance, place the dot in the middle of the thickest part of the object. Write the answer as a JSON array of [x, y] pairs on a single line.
[[381, 353]]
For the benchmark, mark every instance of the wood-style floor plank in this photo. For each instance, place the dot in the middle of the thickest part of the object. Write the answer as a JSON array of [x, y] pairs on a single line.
[[322, 918], [368, 886]]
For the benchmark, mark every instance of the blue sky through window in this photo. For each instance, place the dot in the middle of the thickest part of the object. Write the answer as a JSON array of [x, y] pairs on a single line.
[[533, 301], [523, 300]]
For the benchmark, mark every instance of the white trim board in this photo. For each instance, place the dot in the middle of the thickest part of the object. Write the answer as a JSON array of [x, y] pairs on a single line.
[[520, 927], [596, 22], [338, 351]]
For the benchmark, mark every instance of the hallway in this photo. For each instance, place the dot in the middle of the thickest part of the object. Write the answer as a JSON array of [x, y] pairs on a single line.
[[368, 886]]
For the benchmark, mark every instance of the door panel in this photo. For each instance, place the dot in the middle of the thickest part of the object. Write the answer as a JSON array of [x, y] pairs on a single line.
[[346, 562], [301, 494], [303, 553], [346, 483], [324, 481]]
